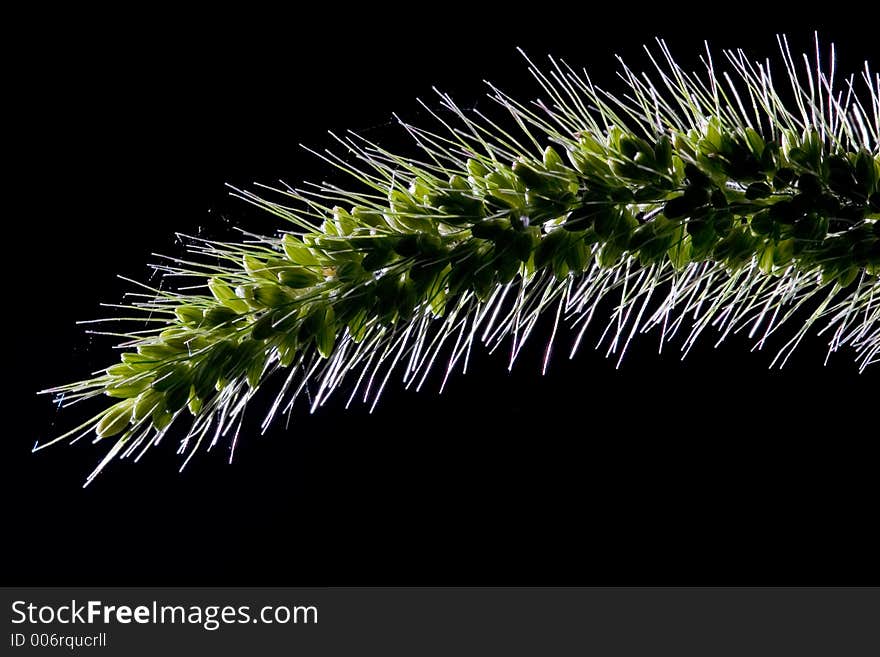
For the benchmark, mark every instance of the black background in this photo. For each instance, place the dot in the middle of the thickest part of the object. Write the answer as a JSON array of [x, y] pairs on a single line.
[[711, 471]]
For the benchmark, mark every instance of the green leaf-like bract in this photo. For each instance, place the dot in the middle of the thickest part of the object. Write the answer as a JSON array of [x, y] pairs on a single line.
[[698, 202]]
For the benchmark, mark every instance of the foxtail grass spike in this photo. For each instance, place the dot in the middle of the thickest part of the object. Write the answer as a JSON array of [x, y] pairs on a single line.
[[710, 202]]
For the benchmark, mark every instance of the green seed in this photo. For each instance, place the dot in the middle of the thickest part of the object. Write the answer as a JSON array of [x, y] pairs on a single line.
[[533, 179], [246, 294], [609, 254], [376, 260], [177, 397], [783, 253], [205, 377], [765, 260], [256, 267], [255, 369], [157, 351], [458, 183], [809, 184], [175, 377], [226, 295], [680, 250], [312, 323], [122, 370], [270, 295], [490, 229], [326, 336], [606, 220], [758, 190], [476, 169], [783, 178], [507, 266], [524, 243], [345, 223], [577, 256], [549, 247], [127, 388], [136, 360], [297, 252], [552, 161], [219, 315], [407, 246], [663, 152], [695, 176], [146, 403], [162, 418], [762, 223], [847, 277], [178, 338], [756, 143], [297, 277], [189, 315], [115, 420], [264, 327], [287, 349], [194, 405]]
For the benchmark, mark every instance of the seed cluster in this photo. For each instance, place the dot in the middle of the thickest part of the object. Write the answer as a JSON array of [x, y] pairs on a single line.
[[786, 202]]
